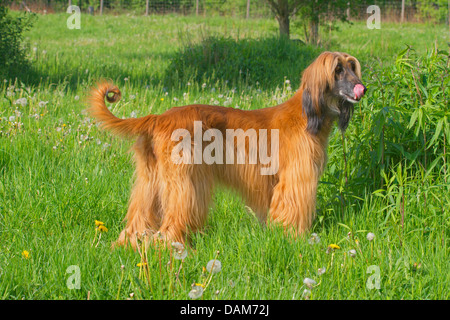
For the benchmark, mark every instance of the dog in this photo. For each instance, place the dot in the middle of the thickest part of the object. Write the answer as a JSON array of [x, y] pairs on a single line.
[[171, 198]]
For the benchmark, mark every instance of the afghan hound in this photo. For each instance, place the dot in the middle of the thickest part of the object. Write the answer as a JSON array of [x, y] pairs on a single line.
[[174, 184]]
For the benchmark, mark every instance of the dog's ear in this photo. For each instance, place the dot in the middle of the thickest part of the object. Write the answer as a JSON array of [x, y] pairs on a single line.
[[313, 113]]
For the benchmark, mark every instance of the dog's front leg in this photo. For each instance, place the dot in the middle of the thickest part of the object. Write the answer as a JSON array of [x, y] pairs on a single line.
[[293, 202]]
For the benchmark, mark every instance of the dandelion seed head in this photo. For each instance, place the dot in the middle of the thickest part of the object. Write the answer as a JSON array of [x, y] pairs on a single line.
[[314, 239], [309, 282], [196, 292], [214, 266], [321, 271], [352, 253], [306, 294], [370, 236], [22, 101], [180, 252]]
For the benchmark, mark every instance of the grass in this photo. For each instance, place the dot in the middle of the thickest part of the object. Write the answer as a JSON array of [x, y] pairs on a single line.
[[59, 174]]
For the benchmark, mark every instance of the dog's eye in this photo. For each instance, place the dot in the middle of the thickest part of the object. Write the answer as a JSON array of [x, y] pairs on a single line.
[[338, 69], [352, 65]]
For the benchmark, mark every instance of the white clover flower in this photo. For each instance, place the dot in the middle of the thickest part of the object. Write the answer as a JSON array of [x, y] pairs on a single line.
[[76, 97], [196, 292], [287, 82], [352, 253], [370, 236], [314, 239], [289, 88], [214, 266], [12, 118], [133, 114], [309, 282], [321, 271], [204, 86], [175, 99]]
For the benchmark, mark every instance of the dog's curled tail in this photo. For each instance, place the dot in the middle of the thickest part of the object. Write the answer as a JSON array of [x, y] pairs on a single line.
[[99, 110]]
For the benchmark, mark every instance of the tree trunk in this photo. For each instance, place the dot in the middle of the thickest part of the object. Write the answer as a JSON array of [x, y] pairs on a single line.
[[314, 31], [248, 10], [402, 18], [284, 26]]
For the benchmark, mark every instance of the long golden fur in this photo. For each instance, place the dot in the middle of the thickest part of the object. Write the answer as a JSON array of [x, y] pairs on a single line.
[[172, 199]]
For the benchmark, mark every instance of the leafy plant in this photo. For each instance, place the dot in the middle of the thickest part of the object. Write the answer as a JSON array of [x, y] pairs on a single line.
[[12, 48]]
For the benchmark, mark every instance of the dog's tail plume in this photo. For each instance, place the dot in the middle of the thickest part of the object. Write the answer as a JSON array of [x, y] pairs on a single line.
[[98, 109]]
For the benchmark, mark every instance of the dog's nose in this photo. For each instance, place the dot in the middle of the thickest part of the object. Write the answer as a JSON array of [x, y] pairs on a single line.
[[359, 90]]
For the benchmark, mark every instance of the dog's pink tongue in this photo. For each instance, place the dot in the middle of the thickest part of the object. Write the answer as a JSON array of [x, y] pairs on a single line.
[[358, 90]]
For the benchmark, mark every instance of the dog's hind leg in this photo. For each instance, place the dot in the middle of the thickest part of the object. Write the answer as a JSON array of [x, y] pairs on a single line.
[[185, 197], [144, 210]]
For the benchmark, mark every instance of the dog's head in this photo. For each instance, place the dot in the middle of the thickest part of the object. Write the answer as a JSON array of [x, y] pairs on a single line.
[[330, 87]]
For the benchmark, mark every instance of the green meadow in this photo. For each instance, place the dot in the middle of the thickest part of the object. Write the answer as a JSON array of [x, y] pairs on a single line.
[[383, 218]]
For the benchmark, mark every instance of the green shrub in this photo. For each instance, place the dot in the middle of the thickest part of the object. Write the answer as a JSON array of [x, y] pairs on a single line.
[[434, 11], [404, 120], [12, 49]]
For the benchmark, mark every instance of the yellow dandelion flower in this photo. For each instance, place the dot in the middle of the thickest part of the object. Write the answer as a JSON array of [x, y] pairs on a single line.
[[25, 254], [162, 99], [333, 246], [200, 285], [98, 223], [141, 264], [102, 228]]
